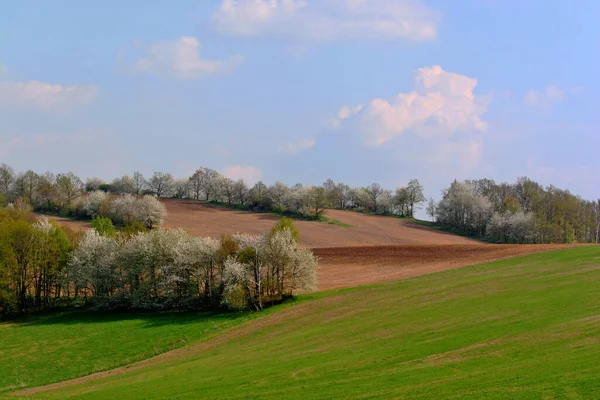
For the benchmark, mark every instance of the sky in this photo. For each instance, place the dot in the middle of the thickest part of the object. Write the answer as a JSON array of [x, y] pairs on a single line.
[[304, 90]]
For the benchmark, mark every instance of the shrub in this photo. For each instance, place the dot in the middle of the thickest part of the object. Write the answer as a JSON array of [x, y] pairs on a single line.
[[104, 226], [286, 223]]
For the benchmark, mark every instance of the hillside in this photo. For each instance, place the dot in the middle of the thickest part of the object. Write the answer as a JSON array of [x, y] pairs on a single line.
[[208, 220], [521, 328], [202, 219]]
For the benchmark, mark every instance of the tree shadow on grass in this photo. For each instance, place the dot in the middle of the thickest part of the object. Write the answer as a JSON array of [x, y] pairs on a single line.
[[151, 319]]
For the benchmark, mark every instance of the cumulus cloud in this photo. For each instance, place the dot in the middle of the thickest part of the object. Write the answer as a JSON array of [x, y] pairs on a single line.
[[441, 104], [544, 99], [248, 173], [182, 59], [328, 20], [298, 146], [44, 96]]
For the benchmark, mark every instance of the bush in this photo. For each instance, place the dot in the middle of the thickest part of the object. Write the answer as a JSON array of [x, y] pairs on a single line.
[[286, 223], [133, 229], [104, 226]]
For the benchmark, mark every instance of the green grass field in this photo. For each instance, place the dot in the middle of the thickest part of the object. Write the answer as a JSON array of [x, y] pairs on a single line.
[[49, 348], [520, 328]]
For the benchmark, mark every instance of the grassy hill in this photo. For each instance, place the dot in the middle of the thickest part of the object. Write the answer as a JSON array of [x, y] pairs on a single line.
[[49, 348], [519, 328]]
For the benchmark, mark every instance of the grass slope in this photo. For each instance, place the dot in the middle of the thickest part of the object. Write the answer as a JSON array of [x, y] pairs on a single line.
[[520, 328], [49, 348]]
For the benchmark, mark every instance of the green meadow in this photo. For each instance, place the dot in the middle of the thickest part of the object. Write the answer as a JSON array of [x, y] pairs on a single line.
[[526, 328]]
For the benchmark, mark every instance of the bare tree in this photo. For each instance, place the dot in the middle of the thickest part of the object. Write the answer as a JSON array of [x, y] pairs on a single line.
[[139, 183], [431, 208], [124, 185], [181, 188], [204, 181], [241, 192], [161, 183], [227, 187], [7, 177], [375, 191]]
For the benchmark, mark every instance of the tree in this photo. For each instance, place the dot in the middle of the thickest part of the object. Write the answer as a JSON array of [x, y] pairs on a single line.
[[47, 192], [139, 183], [69, 187], [277, 193], [25, 187], [124, 185], [401, 202], [7, 177], [93, 267], [161, 184], [431, 209], [314, 201], [97, 203], [149, 211], [286, 223], [374, 191], [241, 192], [259, 195], [227, 187], [93, 184], [181, 188], [415, 195], [204, 181]]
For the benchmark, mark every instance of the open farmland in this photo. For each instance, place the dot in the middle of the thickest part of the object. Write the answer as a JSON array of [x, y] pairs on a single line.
[[202, 219], [373, 249], [521, 328], [208, 220], [343, 267]]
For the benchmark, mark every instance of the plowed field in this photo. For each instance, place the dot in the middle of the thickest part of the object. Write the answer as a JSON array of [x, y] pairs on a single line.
[[374, 249], [208, 220], [356, 266]]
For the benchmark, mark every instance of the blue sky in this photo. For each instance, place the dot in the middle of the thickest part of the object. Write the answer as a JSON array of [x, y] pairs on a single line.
[[301, 90]]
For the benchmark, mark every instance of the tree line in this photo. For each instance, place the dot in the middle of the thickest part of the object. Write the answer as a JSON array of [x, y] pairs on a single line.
[[43, 265], [522, 212]]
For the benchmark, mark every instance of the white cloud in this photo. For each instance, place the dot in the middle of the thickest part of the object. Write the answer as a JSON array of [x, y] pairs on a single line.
[[328, 20], [44, 96], [182, 59], [552, 94], [248, 173], [442, 104], [298, 146]]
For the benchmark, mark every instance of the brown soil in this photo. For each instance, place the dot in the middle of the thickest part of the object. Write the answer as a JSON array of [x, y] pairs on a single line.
[[201, 219], [207, 220], [74, 224], [356, 266]]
